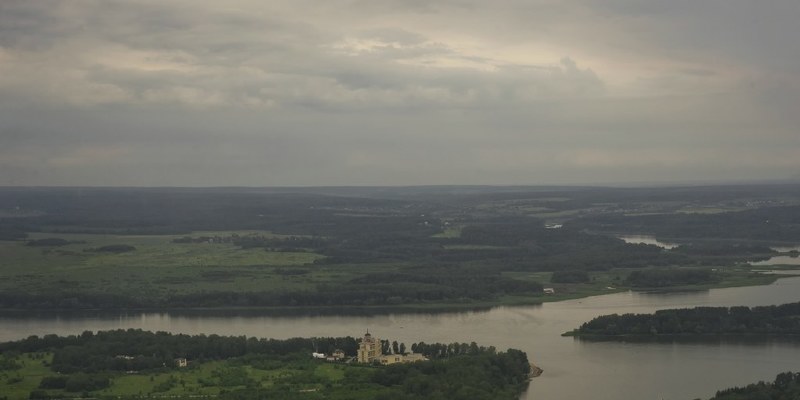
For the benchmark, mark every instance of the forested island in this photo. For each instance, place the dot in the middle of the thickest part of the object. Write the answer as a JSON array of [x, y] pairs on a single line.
[[417, 248], [131, 364], [781, 320], [785, 387]]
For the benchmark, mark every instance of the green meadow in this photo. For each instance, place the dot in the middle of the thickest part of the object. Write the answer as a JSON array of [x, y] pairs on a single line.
[[157, 266], [199, 379]]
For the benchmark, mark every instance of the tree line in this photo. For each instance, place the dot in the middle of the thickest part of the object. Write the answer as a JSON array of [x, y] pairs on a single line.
[[653, 278], [786, 386], [135, 349], [771, 224], [90, 361], [767, 320]]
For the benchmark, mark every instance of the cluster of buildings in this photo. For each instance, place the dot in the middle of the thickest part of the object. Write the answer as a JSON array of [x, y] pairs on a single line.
[[369, 352], [337, 355]]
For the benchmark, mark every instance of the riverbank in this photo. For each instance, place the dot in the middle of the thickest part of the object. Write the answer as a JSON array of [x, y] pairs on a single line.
[[563, 292]]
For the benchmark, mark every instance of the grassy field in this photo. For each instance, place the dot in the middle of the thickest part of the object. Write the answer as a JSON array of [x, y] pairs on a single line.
[[473, 247], [199, 379], [17, 384], [157, 266]]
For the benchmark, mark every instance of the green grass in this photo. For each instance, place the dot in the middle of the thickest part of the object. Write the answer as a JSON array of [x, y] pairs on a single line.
[[16, 384], [709, 209], [159, 268], [156, 267], [556, 214], [189, 381], [473, 247], [199, 379], [452, 232]]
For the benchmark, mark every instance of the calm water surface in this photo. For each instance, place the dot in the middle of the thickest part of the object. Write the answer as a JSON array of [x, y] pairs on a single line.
[[573, 369]]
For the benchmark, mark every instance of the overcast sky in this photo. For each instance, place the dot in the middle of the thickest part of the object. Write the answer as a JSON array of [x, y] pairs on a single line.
[[382, 92]]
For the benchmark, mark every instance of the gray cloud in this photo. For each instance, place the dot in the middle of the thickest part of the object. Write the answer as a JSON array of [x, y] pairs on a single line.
[[390, 92]]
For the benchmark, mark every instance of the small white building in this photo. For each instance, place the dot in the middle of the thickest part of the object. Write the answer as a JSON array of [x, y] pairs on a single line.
[[338, 354]]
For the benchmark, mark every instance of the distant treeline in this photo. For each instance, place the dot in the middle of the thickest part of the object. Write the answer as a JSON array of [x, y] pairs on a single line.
[[532, 246], [768, 320], [112, 248], [181, 210], [290, 243], [723, 249], [776, 224], [48, 242], [64, 300], [346, 230], [440, 285], [409, 285]]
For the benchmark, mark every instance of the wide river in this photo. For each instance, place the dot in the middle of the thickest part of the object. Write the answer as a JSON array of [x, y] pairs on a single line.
[[572, 369]]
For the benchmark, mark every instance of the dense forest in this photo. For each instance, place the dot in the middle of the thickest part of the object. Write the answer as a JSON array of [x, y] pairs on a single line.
[[124, 350], [98, 364], [658, 278], [785, 387], [371, 246], [767, 320], [774, 223]]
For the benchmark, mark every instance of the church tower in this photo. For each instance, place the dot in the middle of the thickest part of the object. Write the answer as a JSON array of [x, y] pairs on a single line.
[[369, 349]]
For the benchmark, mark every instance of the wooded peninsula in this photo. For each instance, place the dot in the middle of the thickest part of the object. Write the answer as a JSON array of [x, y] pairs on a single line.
[[781, 320], [132, 364], [785, 387]]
